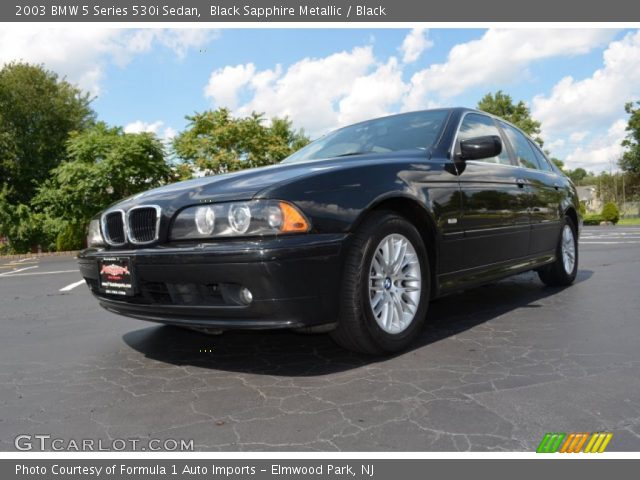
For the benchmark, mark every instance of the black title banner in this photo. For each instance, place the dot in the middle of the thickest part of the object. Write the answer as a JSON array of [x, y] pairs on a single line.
[[352, 469], [318, 11]]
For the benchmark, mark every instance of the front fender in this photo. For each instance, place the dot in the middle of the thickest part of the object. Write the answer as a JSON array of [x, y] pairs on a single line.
[[336, 200]]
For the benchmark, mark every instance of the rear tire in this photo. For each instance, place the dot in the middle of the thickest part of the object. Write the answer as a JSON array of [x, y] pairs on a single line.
[[563, 271], [385, 286]]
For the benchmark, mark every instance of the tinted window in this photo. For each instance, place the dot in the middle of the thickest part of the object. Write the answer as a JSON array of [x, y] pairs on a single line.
[[522, 147], [542, 160], [476, 125], [408, 131]]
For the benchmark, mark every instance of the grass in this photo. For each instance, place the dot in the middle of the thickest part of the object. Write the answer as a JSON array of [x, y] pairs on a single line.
[[629, 221]]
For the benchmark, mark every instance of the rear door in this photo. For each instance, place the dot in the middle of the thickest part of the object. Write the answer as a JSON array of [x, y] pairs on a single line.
[[545, 191], [494, 201]]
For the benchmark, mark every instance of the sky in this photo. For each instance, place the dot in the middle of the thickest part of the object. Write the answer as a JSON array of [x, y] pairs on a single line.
[[575, 81]]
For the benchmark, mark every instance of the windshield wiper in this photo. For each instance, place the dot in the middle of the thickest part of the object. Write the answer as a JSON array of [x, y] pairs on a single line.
[[351, 153]]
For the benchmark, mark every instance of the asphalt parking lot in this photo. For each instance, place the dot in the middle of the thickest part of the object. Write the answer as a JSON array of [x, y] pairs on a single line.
[[496, 368]]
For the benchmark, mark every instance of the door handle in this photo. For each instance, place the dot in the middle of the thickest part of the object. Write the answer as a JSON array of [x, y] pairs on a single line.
[[556, 186], [520, 182]]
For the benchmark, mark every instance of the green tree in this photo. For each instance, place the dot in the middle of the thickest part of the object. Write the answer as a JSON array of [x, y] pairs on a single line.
[[216, 142], [501, 105], [21, 225], [38, 111], [104, 165], [6, 214], [7, 153], [630, 161], [578, 175], [72, 237]]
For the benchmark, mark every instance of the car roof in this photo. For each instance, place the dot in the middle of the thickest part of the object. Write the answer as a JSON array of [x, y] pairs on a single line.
[[459, 110]]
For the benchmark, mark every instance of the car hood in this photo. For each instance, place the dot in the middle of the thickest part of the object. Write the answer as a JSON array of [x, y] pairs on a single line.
[[241, 185]]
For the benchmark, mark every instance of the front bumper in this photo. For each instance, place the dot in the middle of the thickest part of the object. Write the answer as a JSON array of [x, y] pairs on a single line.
[[294, 281]]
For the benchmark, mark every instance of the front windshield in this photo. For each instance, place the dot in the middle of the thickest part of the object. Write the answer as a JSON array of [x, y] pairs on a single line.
[[407, 131]]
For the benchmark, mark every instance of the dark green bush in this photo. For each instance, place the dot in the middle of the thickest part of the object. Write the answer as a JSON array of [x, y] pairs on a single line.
[[592, 219], [610, 213], [70, 238]]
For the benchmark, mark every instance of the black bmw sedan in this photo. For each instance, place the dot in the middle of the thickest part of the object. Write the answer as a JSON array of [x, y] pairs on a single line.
[[354, 234]]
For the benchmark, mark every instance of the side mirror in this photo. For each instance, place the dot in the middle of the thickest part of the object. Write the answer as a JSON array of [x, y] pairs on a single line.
[[477, 148]]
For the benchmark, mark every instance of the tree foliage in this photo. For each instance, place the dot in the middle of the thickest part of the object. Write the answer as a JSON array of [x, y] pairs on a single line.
[[577, 175], [501, 105], [21, 225], [104, 165], [71, 237], [38, 111], [216, 142], [630, 161]]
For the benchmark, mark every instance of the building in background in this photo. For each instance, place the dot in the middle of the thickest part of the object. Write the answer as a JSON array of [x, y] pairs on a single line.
[[588, 195]]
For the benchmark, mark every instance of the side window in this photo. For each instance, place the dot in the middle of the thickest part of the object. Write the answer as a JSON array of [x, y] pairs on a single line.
[[477, 125], [523, 149], [542, 160]]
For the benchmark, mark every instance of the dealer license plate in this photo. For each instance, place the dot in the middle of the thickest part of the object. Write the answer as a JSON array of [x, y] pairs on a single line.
[[116, 276]]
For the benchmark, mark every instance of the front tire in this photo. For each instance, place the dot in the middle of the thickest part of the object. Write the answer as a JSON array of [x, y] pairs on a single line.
[[385, 286], [563, 271]]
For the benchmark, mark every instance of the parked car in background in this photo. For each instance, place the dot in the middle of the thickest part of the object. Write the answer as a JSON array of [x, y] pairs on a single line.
[[354, 234]]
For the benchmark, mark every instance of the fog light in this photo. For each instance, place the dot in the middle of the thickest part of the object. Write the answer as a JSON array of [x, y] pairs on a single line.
[[245, 295]]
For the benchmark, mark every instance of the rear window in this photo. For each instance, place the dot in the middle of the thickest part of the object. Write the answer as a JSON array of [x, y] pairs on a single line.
[[523, 149], [545, 163]]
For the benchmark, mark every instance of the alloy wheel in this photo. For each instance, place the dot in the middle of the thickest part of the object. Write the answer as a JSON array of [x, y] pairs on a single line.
[[395, 283], [568, 249]]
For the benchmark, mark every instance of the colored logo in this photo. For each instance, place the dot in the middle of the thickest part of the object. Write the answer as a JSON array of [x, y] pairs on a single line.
[[115, 270], [575, 442]]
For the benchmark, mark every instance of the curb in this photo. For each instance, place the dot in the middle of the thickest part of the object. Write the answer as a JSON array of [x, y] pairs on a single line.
[[19, 256]]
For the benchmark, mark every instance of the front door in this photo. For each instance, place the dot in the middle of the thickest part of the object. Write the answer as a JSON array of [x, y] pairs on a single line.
[[495, 214]]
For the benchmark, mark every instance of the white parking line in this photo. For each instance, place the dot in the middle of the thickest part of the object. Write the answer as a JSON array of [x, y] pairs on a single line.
[[596, 236], [621, 235], [8, 274], [590, 242], [71, 286]]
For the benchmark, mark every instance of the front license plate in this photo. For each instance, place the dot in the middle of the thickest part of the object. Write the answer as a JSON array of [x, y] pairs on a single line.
[[116, 277]]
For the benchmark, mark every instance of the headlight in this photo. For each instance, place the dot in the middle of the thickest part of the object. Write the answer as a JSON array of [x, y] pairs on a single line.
[[205, 220], [239, 217], [94, 237], [259, 217]]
